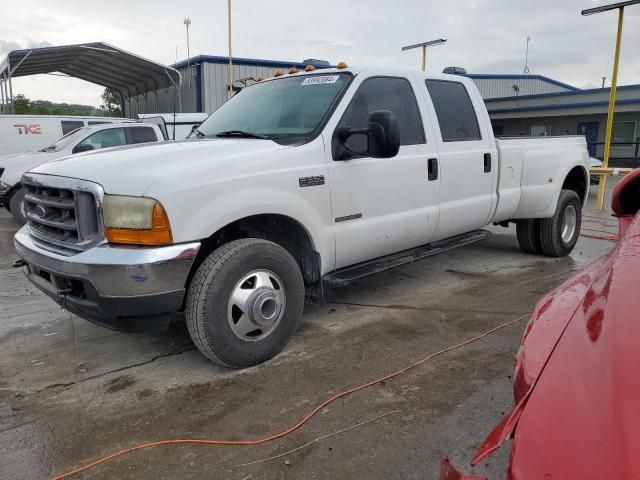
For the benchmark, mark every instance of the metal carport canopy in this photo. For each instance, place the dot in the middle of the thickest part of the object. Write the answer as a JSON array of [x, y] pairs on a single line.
[[97, 62]]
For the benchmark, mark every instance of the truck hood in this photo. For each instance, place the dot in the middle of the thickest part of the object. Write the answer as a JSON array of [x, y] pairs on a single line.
[[16, 165], [131, 170]]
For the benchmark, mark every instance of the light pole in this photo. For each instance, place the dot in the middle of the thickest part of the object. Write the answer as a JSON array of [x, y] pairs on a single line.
[[614, 83], [187, 23], [431, 43], [526, 58]]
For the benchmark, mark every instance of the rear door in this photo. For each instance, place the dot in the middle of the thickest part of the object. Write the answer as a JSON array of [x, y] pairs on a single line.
[[590, 132], [468, 161], [383, 205]]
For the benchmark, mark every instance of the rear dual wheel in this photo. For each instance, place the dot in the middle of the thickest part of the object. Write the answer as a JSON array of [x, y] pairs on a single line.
[[555, 236]]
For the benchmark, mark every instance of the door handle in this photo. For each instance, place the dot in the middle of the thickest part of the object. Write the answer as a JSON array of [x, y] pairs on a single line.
[[487, 162], [432, 167]]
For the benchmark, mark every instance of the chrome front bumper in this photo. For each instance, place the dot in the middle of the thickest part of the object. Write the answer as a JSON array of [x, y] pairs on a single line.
[[118, 287]]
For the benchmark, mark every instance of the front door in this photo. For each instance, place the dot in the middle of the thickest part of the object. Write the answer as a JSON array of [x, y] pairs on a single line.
[[590, 132], [383, 205]]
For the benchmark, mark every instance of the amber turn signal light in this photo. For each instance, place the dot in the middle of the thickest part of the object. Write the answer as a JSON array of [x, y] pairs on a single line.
[[158, 234]]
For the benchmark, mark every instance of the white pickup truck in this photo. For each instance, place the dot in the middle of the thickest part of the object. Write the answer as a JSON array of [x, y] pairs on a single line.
[[299, 182], [82, 139]]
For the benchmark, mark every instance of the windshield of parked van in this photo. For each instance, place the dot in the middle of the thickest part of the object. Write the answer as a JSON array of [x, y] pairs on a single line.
[[67, 140], [279, 108]]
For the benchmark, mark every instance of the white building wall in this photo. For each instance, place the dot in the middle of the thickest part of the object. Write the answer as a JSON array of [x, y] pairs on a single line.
[[215, 78]]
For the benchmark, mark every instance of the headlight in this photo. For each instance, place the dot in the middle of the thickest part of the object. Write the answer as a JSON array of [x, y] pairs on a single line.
[[135, 221]]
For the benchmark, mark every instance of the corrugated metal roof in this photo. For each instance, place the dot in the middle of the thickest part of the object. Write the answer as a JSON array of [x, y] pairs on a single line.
[[501, 76], [96, 62], [585, 91]]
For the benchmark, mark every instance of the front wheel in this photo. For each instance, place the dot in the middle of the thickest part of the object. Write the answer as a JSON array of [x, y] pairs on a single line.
[[245, 302], [559, 234]]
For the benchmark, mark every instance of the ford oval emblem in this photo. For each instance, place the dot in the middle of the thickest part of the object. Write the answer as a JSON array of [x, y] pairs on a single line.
[[40, 211]]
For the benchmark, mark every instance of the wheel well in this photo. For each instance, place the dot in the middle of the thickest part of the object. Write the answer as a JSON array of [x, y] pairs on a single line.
[[576, 180], [280, 229]]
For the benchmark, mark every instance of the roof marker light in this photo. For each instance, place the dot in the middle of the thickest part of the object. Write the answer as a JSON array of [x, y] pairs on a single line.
[[259, 78], [309, 68], [341, 65], [278, 73], [293, 70]]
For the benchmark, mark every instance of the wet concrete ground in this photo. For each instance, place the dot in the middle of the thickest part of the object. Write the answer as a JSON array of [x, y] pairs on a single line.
[[71, 392]]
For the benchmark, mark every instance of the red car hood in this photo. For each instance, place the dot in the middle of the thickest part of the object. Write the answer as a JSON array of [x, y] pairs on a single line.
[[577, 381], [582, 418]]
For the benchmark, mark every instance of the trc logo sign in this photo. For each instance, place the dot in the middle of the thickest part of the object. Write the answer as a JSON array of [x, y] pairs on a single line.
[[33, 129]]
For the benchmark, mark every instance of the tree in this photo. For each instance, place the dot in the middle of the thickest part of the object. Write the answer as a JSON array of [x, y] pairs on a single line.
[[21, 104], [111, 102]]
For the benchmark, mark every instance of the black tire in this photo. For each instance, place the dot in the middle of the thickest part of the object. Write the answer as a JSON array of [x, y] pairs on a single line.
[[209, 297], [16, 206], [551, 229], [528, 233]]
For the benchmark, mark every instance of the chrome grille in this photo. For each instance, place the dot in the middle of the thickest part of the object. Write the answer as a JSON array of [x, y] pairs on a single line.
[[63, 217], [52, 212]]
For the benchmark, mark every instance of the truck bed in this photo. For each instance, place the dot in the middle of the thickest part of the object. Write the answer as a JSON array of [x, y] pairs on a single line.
[[531, 172]]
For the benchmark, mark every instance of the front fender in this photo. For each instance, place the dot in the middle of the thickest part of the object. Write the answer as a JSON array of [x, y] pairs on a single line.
[[202, 219]]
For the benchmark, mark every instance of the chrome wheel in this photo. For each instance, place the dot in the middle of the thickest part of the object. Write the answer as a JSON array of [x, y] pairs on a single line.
[[569, 223], [256, 305]]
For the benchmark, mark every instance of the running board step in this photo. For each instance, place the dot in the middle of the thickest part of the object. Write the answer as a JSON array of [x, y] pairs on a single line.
[[348, 275]]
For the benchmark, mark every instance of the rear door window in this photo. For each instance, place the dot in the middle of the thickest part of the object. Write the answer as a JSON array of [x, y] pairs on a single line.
[[142, 135], [455, 112], [70, 125]]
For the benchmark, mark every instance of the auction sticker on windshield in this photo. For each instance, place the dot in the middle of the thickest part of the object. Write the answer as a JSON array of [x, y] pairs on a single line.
[[320, 80]]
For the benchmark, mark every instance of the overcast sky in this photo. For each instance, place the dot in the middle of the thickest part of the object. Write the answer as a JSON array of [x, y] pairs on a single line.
[[484, 36]]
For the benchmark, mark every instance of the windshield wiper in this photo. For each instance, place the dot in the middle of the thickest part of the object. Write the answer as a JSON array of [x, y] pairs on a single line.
[[242, 134]]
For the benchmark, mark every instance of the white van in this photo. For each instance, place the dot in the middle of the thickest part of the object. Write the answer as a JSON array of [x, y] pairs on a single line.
[[25, 133], [177, 126]]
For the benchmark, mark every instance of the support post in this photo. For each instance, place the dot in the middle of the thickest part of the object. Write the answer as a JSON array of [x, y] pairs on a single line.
[[424, 58], [612, 102], [2, 106], [230, 73]]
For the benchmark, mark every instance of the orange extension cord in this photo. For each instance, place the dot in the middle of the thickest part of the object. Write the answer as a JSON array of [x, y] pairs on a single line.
[[304, 420]]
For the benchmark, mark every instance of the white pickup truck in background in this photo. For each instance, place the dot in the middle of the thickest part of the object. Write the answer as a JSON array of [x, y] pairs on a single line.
[[82, 139], [297, 183]]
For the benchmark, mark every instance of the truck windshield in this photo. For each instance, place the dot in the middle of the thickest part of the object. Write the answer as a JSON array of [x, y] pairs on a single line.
[[284, 107], [66, 140]]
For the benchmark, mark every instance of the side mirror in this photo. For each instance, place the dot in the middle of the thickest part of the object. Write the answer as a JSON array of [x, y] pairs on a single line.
[[625, 201], [382, 134], [82, 148]]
